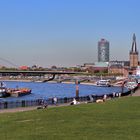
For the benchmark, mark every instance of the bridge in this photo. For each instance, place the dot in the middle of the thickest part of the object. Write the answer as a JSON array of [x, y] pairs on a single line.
[[36, 73]]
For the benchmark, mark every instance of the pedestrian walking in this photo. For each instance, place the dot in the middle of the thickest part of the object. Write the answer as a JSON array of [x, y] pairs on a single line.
[[55, 101]]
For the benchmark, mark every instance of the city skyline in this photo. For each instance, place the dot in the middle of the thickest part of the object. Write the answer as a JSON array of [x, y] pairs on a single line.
[[66, 33]]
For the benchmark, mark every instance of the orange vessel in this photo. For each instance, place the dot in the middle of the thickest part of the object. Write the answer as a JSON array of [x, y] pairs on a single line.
[[19, 92]]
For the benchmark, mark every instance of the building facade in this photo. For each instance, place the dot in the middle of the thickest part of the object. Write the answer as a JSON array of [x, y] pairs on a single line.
[[118, 67], [133, 55], [103, 51]]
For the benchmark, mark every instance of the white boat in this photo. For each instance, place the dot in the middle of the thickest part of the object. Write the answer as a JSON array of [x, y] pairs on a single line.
[[104, 83], [131, 85], [3, 90]]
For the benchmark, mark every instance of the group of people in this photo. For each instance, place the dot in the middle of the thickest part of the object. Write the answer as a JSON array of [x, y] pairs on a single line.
[[114, 95], [102, 100], [44, 103]]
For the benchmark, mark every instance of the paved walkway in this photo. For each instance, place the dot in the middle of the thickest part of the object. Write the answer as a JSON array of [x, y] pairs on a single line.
[[21, 109], [137, 93]]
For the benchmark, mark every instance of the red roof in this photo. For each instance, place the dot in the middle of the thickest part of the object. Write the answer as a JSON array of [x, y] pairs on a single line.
[[23, 67]]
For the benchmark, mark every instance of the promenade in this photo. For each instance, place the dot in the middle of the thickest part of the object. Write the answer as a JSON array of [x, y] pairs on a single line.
[[22, 109], [137, 92]]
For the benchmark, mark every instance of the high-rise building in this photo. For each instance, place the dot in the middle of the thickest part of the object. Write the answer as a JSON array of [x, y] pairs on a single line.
[[133, 55], [103, 51]]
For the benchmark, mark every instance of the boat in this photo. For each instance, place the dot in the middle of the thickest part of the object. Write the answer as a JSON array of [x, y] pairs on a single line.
[[105, 83], [138, 82], [3, 92], [14, 92], [131, 85], [19, 92]]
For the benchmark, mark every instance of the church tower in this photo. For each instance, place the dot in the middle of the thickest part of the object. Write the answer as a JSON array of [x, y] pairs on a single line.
[[133, 55]]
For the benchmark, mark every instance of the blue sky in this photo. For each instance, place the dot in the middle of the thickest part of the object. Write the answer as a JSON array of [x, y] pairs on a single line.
[[66, 32]]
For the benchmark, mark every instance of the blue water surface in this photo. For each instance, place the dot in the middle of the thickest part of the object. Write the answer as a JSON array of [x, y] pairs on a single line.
[[49, 90]]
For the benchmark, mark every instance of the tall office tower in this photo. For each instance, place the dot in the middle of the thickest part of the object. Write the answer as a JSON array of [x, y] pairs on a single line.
[[133, 55], [103, 51]]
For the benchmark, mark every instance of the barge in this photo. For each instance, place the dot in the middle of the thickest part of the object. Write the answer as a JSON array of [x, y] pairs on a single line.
[[19, 92]]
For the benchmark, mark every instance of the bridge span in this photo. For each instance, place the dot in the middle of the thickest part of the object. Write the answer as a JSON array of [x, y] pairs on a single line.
[[36, 73]]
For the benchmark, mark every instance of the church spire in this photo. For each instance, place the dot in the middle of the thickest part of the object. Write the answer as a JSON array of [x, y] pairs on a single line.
[[134, 45], [134, 53]]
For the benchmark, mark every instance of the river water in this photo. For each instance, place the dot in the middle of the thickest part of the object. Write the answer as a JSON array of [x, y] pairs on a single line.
[[49, 90]]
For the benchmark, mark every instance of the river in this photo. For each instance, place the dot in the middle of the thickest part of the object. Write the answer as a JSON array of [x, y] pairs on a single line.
[[49, 90]]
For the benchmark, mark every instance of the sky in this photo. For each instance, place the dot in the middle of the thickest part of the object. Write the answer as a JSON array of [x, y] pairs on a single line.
[[66, 32]]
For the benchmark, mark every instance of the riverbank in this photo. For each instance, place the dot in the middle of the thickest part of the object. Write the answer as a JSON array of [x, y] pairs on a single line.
[[22, 109], [15, 80], [137, 92]]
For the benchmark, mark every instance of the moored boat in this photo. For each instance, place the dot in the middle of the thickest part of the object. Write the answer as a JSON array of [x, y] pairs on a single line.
[[19, 92], [103, 83], [131, 85], [3, 92]]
